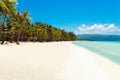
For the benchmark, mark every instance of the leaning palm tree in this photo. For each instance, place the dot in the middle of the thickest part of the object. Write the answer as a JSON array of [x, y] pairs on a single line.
[[3, 12], [23, 19], [7, 9]]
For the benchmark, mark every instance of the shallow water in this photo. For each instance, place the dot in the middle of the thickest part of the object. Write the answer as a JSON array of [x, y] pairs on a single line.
[[108, 49]]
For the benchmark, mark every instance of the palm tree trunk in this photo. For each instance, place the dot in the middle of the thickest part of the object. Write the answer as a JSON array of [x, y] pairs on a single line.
[[17, 41], [19, 34]]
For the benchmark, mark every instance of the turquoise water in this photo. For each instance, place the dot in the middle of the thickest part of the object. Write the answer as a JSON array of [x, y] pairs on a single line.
[[108, 49]]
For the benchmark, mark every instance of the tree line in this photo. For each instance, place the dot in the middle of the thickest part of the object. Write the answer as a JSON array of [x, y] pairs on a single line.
[[16, 26]]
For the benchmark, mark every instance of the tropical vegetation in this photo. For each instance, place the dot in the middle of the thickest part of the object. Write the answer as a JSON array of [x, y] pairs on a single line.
[[16, 26]]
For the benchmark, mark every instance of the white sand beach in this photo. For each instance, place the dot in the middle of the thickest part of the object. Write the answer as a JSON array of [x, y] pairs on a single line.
[[54, 61]]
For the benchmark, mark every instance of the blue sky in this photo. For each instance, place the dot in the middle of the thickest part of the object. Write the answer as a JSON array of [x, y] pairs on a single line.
[[71, 14]]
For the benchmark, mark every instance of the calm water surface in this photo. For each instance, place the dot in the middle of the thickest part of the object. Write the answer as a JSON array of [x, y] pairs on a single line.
[[108, 49]]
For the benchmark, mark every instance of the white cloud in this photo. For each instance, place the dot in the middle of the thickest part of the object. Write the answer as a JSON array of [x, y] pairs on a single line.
[[105, 29]]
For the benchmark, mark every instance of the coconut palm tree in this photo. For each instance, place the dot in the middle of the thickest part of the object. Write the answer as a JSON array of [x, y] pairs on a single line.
[[7, 9], [3, 12], [23, 20]]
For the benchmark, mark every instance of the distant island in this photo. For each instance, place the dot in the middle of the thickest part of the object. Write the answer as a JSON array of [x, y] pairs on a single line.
[[98, 37], [16, 26]]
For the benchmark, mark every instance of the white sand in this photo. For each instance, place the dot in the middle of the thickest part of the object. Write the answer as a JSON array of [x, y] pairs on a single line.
[[54, 61]]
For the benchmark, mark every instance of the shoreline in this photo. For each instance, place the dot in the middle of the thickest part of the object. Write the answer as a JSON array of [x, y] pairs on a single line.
[[110, 69], [54, 61]]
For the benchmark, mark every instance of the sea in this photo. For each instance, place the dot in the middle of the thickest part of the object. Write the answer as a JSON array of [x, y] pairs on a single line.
[[108, 49]]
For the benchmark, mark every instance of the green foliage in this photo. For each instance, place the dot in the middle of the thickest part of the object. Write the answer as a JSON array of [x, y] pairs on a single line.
[[16, 26]]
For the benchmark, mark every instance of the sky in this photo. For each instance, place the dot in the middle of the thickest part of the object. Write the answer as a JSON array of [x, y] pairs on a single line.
[[80, 16]]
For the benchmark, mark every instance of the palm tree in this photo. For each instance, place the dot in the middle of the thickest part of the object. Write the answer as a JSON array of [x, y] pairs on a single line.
[[6, 9], [72, 36], [3, 12], [23, 19]]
